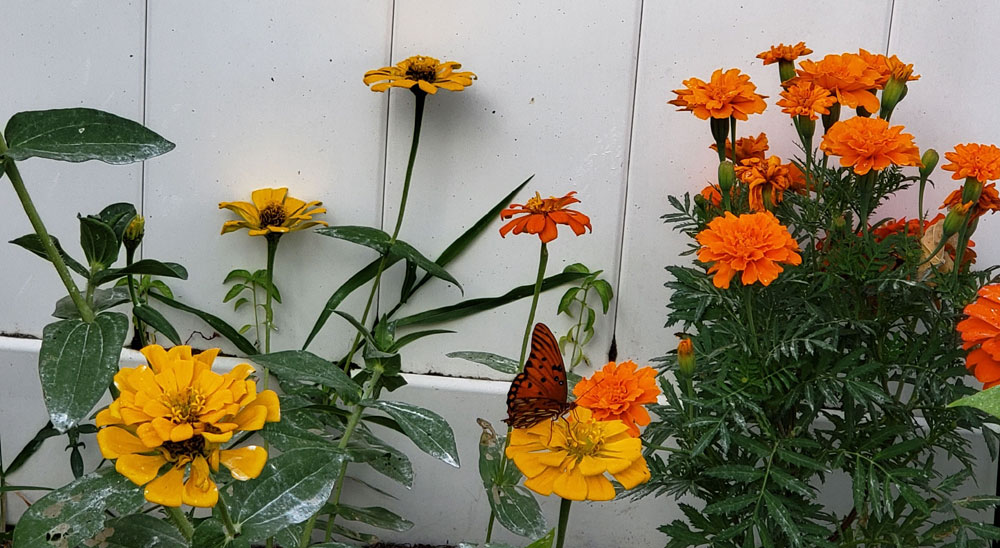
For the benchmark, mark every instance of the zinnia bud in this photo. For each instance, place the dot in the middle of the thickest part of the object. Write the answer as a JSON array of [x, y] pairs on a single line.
[[727, 176], [685, 356], [956, 218], [928, 162], [134, 232]]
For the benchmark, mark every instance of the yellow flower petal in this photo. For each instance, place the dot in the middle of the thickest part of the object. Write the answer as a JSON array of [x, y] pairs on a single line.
[[167, 489], [542, 483], [634, 475], [251, 418], [269, 399], [199, 490], [244, 463], [115, 442], [599, 488], [141, 469], [181, 432], [571, 486]]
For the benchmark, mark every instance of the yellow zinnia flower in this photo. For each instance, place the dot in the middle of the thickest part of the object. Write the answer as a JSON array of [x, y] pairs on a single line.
[[177, 410], [426, 74], [272, 211], [570, 457]]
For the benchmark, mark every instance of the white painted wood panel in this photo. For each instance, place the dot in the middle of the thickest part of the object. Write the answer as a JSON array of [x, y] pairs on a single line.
[[60, 54]]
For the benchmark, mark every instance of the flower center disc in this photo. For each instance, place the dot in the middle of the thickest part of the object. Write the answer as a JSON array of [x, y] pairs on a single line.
[[273, 214], [191, 448], [427, 73]]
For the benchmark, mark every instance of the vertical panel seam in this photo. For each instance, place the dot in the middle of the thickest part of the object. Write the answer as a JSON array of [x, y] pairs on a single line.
[[385, 148], [145, 87], [888, 32]]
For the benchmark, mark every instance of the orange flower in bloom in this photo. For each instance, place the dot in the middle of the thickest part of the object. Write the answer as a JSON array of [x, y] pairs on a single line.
[[989, 200], [981, 335], [768, 178], [726, 94], [981, 162], [870, 143], [806, 99], [781, 52], [746, 147], [753, 243], [847, 76], [879, 63], [541, 215], [900, 70], [618, 392]]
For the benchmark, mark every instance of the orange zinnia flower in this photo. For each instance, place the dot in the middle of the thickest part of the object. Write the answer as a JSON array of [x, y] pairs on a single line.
[[870, 143], [770, 176], [726, 94], [618, 392], [753, 243], [981, 162], [847, 76], [541, 215], [746, 147], [989, 200], [781, 52], [981, 333], [806, 99]]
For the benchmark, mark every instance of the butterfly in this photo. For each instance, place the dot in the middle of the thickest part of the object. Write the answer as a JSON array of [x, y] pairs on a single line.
[[539, 392]]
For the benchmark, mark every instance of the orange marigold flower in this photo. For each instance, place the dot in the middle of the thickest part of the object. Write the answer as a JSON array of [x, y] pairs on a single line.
[[746, 147], [981, 162], [806, 99], [989, 200], [753, 243], [981, 336], [781, 52], [618, 392], [426, 74], [726, 94], [900, 71], [870, 143], [847, 76], [879, 63], [765, 178], [541, 215]]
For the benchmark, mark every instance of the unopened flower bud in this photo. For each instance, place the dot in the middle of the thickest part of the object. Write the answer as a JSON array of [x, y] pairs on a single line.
[[838, 224], [832, 118], [727, 176], [807, 128], [701, 201], [928, 162], [134, 232], [956, 218], [971, 190], [891, 96], [720, 130], [786, 70], [685, 356]]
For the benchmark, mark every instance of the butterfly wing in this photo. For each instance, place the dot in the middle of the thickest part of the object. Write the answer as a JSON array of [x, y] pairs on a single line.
[[539, 392]]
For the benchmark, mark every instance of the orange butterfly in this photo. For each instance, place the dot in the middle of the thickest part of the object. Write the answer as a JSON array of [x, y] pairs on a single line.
[[539, 392]]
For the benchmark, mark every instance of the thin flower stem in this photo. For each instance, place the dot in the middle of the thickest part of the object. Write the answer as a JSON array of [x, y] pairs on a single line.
[[272, 248], [732, 130], [920, 204], [129, 259], [86, 312], [227, 520], [418, 116], [543, 259], [564, 507], [181, 521]]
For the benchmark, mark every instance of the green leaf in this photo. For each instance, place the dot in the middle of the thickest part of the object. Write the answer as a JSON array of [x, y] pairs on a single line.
[[494, 361], [142, 530], [238, 274], [517, 510], [215, 322], [410, 253], [730, 505], [384, 459], [292, 487], [362, 330], [783, 517], [303, 366], [799, 459], [81, 134], [915, 500], [103, 300], [544, 542], [605, 292], [145, 266], [77, 362], [287, 436], [577, 267], [152, 317], [567, 299], [233, 292], [366, 236], [410, 337], [34, 245], [987, 401], [118, 216], [473, 306], [375, 516], [211, 533], [903, 447], [425, 428], [30, 448], [100, 246], [736, 472], [75, 513]]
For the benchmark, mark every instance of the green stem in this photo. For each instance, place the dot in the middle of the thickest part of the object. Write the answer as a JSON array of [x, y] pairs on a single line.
[[418, 116], [86, 313], [272, 248], [564, 506], [732, 130], [543, 259], [256, 316], [920, 204], [227, 520], [181, 521], [748, 302], [134, 295], [489, 526], [577, 347]]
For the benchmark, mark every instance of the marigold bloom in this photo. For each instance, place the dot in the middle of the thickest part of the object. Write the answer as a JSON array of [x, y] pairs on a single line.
[[870, 143], [726, 94], [176, 410], [753, 243], [981, 162], [427, 74], [981, 336], [618, 392], [847, 76], [746, 147], [765, 178], [879, 63], [686, 360], [781, 52], [806, 99], [989, 200], [571, 457], [541, 215], [899, 70], [272, 211]]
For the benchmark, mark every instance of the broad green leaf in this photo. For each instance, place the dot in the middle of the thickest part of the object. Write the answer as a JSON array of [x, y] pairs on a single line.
[[375, 516], [365, 448], [331, 545], [425, 428], [145, 266], [473, 306], [103, 300], [98, 241], [142, 530], [215, 322], [288, 436], [410, 253], [987, 401], [544, 542], [568, 298], [502, 364], [152, 317], [30, 448], [292, 487], [211, 533], [76, 512], [77, 362], [34, 245], [605, 292], [118, 216], [517, 510], [238, 274], [303, 366], [367, 236], [81, 134]]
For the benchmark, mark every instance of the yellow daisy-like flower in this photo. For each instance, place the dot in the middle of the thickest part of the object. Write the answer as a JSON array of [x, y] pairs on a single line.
[[571, 457], [420, 73], [272, 211], [176, 410]]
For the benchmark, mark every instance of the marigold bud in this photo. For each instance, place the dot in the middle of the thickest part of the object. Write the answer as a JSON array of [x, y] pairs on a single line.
[[134, 232], [956, 218], [807, 128], [838, 224], [891, 96], [832, 118], [971, 190], [727, 176], [928, 162], [786, 70], [685, 356]]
